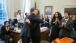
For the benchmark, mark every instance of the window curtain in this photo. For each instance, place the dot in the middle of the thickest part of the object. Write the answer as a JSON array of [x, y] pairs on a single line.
[[26, 6], [3, 11], [5, 8]]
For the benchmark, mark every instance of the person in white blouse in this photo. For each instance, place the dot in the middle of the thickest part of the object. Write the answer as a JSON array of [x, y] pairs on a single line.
[[20, 19]]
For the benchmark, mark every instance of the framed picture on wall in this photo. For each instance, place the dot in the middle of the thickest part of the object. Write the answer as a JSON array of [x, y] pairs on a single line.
[[48, 11]]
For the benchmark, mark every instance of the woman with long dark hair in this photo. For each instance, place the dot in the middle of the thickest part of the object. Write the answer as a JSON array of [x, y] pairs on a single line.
[[55, 23], [36, 28]]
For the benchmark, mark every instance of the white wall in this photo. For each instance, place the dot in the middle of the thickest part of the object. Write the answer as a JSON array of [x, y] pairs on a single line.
[[58, 5], [15, 5], [33, 3]]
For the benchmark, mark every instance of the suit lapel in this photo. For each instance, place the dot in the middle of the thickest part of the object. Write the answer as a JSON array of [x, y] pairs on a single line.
[[68, 22]]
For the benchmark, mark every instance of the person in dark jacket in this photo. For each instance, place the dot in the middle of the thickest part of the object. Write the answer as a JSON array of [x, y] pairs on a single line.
[[6, 32], [25, 31], [66, 25], [47, 22], [70, 16], [42, 24], [55, 23], [74, 20]]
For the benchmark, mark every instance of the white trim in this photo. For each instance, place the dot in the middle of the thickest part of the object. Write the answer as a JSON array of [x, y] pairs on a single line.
[[67, 6]]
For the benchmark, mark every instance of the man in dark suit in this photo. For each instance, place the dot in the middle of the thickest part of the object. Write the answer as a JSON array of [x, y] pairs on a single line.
[[25, 32], [66, 25]]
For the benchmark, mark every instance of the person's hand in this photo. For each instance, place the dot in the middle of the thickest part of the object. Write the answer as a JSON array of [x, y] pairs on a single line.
[[28, 21], [63, 24], [28, 14], [57, 20]]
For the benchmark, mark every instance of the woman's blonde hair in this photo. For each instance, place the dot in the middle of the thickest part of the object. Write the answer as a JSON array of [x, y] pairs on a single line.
[[38, 13]]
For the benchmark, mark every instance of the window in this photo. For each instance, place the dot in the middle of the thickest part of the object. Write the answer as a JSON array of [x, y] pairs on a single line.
[[3, 15]]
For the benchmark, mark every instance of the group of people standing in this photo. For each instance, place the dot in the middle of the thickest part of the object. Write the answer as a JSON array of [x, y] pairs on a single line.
[[62, 26]]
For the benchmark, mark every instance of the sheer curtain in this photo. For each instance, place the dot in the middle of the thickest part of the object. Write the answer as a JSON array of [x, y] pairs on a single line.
[[5, 8], [26, 6], [3, 11]]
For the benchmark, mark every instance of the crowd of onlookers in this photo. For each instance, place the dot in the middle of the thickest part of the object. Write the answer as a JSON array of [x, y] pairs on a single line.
[[60, 26]]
